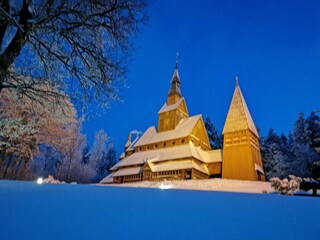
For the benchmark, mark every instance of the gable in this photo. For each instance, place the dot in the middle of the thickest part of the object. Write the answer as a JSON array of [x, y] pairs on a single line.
[[179, 105], [183, 107], [183, 129], [200, 132]]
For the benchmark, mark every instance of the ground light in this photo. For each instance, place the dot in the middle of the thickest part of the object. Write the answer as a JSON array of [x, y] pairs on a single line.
[[40, 180]]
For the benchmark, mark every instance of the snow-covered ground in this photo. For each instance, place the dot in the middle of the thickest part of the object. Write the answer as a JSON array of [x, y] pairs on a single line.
[[216, 184], [63, 211]]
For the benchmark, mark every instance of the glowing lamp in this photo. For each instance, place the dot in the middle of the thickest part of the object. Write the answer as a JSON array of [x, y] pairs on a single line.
[[40, 180]]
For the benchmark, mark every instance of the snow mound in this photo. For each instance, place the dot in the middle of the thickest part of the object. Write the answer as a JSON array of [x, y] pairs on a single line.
[[51, 179], [215, 184]]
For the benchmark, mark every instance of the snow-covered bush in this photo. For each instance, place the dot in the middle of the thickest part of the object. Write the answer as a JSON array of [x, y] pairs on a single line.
[[50, 179], [285, 186]]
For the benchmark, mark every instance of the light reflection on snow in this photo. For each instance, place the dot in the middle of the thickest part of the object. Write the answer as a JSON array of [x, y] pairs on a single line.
[[165, 186]]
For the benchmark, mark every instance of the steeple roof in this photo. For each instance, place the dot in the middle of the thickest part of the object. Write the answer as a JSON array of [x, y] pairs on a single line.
[[175, 84], [239, 117]]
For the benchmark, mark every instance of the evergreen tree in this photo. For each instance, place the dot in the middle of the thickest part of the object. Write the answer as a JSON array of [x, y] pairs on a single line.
[[295, 154], [273, 155], [111, 158], [108, 159], [313, 130], [303, 155], [215, 139], [300, 132]]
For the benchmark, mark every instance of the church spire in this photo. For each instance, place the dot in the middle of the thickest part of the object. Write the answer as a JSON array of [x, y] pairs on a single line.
[[239, 117], [175, 93]]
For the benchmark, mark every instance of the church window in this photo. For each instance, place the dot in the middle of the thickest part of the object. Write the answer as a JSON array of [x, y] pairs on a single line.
[[156, 145], [173, 142], [164, 144], [183, 140]]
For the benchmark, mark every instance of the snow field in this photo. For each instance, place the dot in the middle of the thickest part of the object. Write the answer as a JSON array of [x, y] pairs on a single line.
[[63, 211]]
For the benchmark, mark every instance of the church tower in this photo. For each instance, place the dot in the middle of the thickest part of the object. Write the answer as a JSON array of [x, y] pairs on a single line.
[[241, 149], [175, 108]]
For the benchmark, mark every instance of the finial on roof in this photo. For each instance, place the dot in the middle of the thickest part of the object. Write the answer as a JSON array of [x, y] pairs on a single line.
[[237, 80], [177, 59]]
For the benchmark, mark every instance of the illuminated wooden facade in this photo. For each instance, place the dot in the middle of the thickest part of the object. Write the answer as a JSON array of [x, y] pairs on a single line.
[[179, 147], [241, 150]]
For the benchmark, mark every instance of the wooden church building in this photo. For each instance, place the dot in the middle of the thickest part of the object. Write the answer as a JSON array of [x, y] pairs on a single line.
[[179, 148]]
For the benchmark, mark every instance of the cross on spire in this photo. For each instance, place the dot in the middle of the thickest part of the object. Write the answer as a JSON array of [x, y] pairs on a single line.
[[237, 80], [177, 59]]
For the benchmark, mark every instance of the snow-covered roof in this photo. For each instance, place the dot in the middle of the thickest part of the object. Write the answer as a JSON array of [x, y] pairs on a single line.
[[239, 117], [167, 108], [122, 156], [206, 156], [107, 179], [176, 165], [170, 153], [131, 147], [258, 168], [127, 171], [183, 129]]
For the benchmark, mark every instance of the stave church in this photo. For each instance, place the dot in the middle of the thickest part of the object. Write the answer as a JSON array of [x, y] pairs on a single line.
[[179, 149]]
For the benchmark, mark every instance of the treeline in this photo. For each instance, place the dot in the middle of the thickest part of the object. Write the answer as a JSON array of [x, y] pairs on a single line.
[[295, 153], [39, 139], [284, 155]]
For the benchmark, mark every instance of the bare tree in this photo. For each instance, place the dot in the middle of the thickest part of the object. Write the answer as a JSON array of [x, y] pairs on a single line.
[[26, 124], [77, 45]]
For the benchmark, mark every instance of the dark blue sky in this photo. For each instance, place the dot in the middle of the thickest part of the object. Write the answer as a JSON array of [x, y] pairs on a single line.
[[273, 46]]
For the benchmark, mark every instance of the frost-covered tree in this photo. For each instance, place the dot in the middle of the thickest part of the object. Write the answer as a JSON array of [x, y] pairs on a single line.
[[103, 155], [313, 130], [303, 158], [293, 155], [26, 124], [45, 163], [302, 153], [71, 167], [274, 158], [99, 145], [69, 44], [86, 154], [313, 127], [215, 139], [300, 131]]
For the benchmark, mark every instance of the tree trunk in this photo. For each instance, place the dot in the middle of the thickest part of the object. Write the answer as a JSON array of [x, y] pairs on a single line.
[[14, 48], [16, 170], [2, 158], [7, 166], [58, 174], [69, 169], [23, 171]]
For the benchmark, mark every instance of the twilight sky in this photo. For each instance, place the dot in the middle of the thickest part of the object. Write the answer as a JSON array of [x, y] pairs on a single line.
[[273, 46]]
